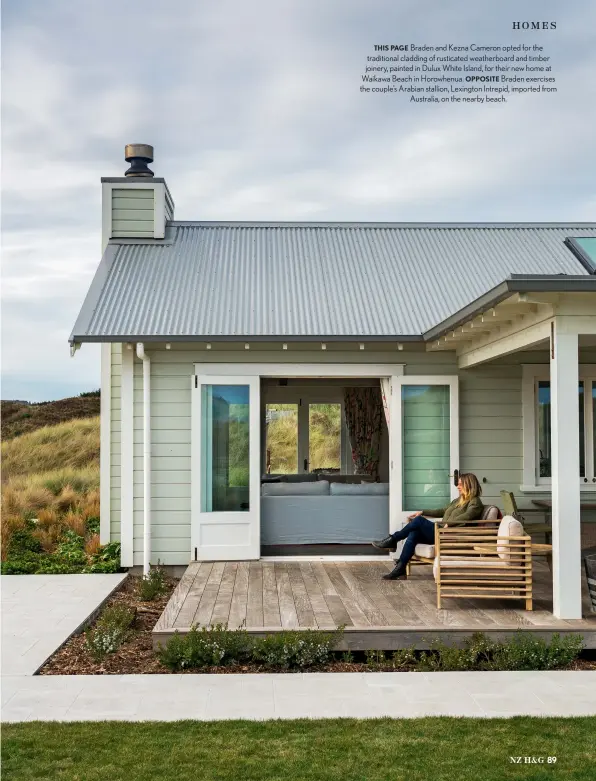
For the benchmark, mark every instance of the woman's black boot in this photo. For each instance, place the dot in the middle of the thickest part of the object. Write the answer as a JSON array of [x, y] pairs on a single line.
[[397, 573]]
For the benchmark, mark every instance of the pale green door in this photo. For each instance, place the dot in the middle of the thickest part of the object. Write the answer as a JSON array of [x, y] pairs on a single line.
[[424, 445]]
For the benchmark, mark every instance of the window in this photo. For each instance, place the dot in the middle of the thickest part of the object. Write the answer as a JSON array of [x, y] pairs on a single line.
[[324, 437], [537, 427], [303, 435], [544, 438], [584, 250], [282, 438]]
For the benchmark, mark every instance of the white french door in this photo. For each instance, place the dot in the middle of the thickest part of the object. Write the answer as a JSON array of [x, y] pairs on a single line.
[[424, 445], [225, 468]]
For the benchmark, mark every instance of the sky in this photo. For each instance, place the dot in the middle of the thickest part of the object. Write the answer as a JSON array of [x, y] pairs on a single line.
[[255, 113]]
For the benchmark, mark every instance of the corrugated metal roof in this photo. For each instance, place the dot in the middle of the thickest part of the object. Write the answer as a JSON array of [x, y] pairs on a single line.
[[362, 280]]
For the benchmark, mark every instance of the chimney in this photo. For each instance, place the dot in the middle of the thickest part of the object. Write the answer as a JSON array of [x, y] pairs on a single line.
[[137, 205]]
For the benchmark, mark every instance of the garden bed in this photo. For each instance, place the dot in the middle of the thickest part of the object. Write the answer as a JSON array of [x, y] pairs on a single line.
[[136, 654]]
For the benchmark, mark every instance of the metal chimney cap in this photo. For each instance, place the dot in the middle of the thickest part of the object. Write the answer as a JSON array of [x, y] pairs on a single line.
[[138, 155], [138, 150]]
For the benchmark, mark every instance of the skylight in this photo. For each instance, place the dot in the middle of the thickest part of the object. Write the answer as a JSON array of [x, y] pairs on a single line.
[[584, 248]]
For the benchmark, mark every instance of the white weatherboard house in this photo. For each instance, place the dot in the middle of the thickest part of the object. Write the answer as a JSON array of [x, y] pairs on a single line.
[[446, 348]]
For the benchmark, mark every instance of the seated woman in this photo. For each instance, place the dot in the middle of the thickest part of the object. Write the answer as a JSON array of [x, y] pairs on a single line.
[[420, 530]]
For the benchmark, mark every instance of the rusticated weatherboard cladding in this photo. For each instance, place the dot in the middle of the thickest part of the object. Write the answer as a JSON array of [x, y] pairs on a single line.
[[490, 430], [133, 212]]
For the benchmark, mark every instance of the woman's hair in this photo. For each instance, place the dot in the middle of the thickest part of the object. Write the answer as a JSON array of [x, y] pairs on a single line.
[[470, 487]]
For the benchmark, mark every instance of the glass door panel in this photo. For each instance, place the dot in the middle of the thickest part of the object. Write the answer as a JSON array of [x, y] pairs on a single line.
[[225, 441], [426, 447]]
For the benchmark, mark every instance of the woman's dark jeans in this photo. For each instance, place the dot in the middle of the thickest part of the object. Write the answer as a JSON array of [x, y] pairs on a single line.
[[418, 531]]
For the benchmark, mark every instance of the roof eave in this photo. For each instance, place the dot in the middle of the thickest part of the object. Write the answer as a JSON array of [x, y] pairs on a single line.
[[516, 283]]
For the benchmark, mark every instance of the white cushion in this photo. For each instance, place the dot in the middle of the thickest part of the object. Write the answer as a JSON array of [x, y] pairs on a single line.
[[317, 488], [359, 489], [509, 527], [426, 551]]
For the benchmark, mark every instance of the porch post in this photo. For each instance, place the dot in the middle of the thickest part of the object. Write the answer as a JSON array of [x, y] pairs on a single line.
[[564, 379]]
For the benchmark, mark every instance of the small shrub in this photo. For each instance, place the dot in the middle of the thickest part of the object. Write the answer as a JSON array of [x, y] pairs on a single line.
[[92, 545], [106, 560], [46, 518], [72, 548], [67, 499], [105, 567], [152, 585], [110, 550], [12, 501], [48, 537], [24, 563], [37, 498], [173, 653], [525, 652], [403, 658], [49, 565], [443, 658], [375, 659], [206, 647], [10, 524], [92, 524], [347, 657], [110, 631], [22, 540], [300, 648]]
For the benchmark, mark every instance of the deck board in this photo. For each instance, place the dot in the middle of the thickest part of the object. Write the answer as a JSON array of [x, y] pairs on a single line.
[[237, 615], [204, 611], [223, 601], [304, 608], [271, 609], [322, 614], [187, 612], [266, 596], [254, 595], [287, 606]]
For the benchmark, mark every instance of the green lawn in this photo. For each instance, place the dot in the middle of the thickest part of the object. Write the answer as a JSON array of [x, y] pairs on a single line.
[[342, 750]]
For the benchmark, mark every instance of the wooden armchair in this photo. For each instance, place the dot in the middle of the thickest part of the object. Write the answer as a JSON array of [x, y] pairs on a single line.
[[425, 554], [477, 562]]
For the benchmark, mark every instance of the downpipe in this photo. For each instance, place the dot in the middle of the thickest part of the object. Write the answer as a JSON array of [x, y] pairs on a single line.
[[146, 457]]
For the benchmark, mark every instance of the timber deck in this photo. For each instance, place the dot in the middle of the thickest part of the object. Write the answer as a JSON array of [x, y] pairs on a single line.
[[266, 596]]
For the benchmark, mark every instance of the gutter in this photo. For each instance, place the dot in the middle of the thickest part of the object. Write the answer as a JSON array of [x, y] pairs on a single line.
[[146, 457]]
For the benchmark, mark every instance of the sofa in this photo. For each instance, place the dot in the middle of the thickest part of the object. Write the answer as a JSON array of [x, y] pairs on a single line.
[[320, 511]]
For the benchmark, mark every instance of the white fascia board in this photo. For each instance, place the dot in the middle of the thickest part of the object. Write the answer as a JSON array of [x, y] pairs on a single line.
[[517, 339]]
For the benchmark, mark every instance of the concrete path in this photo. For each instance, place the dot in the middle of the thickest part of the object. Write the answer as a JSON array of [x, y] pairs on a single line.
[[40, 612], [290, 696]]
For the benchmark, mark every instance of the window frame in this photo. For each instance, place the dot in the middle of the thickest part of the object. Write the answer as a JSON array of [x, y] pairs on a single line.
[[532, 375]]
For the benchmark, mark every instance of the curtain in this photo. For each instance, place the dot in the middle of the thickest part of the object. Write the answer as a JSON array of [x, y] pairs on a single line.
[[386, 394], [364, 418]]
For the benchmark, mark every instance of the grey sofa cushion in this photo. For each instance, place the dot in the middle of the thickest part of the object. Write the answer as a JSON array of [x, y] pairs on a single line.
[[361, 489], [316, 488]]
